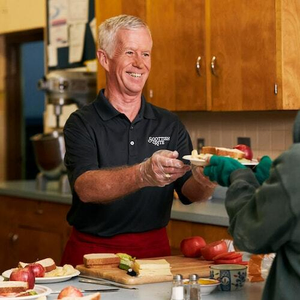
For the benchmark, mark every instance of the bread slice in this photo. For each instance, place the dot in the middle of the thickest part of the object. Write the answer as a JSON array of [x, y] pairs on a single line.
[[221, 151], [101, 259], [13, 287], [47, 263], [95, 296]]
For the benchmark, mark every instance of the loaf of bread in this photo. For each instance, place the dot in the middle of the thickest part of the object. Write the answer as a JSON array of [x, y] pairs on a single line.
[[221, 151], [101, 259]]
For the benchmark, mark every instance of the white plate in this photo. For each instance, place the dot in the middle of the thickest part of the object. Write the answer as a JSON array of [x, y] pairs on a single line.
[[196, 161], [40, 289], [6, 274], [202, 162]]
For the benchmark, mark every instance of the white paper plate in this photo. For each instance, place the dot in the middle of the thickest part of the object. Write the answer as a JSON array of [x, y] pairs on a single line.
[[203, 162], [196, 161], [40, 289], [55, 279]]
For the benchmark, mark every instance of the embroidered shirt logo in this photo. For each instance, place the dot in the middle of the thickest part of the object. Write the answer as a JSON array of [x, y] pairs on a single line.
[[158, 140]]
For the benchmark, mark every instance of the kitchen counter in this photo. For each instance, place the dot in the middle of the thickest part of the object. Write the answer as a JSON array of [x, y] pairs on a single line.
[[161, 291], [208, 212]]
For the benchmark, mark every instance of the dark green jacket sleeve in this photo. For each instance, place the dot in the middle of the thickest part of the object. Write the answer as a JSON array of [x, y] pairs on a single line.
[[263, 218]]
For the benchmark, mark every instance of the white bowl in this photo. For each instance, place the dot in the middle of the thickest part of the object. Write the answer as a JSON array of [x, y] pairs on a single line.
[[207, 285], [231, 276]]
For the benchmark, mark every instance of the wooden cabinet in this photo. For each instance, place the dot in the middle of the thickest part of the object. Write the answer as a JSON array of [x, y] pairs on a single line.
[[31, 230], [246, 52], [179, 230], [242, 55], [178, 30]]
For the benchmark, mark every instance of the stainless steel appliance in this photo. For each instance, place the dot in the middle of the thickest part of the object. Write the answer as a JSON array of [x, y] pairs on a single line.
[[49, 150], [62, 87]]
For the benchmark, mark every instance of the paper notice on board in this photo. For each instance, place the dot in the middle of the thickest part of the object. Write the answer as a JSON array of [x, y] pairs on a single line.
[[76, 33], [58, 23], [52, 56], [78, 11]]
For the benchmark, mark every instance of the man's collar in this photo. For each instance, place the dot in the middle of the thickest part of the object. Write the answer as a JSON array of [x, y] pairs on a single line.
[[107, 111]]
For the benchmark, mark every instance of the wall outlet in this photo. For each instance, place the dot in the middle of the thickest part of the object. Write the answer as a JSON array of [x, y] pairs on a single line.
[[244, 140], [200, 144]]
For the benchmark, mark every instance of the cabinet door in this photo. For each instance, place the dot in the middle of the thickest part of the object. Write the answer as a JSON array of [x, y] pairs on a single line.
[[243, 43], [105, 9], [178, 31], [31, 230]]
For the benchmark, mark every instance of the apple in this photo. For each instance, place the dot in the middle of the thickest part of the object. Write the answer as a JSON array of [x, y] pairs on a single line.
[[37, 269], [246, 149], [191, 247], [69, 291], [23, 274]]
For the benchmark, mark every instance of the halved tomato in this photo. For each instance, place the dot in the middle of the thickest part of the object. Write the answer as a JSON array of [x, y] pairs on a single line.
[[228, 255], [213, 249], [228, 261]]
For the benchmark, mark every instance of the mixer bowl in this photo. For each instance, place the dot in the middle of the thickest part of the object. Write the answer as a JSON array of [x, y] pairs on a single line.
[[49, 152]]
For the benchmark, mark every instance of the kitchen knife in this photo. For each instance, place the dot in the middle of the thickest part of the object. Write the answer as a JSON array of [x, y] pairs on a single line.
[[91, 291], [95, 280]]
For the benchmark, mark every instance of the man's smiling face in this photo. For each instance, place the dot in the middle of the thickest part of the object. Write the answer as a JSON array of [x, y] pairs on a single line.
[[130, 63]]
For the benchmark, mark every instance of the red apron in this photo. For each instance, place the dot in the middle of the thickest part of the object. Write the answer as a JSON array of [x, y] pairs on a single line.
[[153, 243]]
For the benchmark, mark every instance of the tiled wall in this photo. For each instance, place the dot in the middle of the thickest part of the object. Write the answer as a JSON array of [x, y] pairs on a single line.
[[270, 132]]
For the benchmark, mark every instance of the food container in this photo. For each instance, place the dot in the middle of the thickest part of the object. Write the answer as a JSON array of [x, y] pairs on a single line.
[[231, 276]]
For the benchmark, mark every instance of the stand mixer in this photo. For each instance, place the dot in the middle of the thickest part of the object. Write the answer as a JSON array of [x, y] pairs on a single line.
[[62, 87]]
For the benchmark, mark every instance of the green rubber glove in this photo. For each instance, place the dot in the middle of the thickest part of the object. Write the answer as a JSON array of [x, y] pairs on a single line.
[[262, 170], [220, 169]]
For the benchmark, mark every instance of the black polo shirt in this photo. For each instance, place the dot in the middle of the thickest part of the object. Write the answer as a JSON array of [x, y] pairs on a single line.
[[97, 136]]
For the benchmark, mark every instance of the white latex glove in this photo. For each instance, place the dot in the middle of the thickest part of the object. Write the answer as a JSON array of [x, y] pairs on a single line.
[[206, 185], [162, 168]]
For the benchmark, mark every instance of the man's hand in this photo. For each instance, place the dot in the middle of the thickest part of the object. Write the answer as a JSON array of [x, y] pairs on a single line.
[[220, 169], [262, 170], [161, 169], [201, 179]]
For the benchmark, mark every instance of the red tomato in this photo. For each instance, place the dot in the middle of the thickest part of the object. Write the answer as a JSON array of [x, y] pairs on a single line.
[[191, 247], [228, 261], [228, 255], [213, 249]]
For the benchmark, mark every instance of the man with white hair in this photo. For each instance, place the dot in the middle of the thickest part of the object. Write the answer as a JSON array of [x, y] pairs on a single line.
[[123, 156]]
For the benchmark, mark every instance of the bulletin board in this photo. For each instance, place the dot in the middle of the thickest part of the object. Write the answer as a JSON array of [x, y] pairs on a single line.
[[62, 52]]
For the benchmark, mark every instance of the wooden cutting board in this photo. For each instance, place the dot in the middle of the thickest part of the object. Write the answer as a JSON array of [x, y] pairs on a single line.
[[179, 265]]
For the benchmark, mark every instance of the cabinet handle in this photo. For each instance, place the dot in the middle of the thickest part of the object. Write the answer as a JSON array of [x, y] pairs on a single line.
[[151, 94], [212, 65], [39, 211], [198, 66], [14, 237]]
